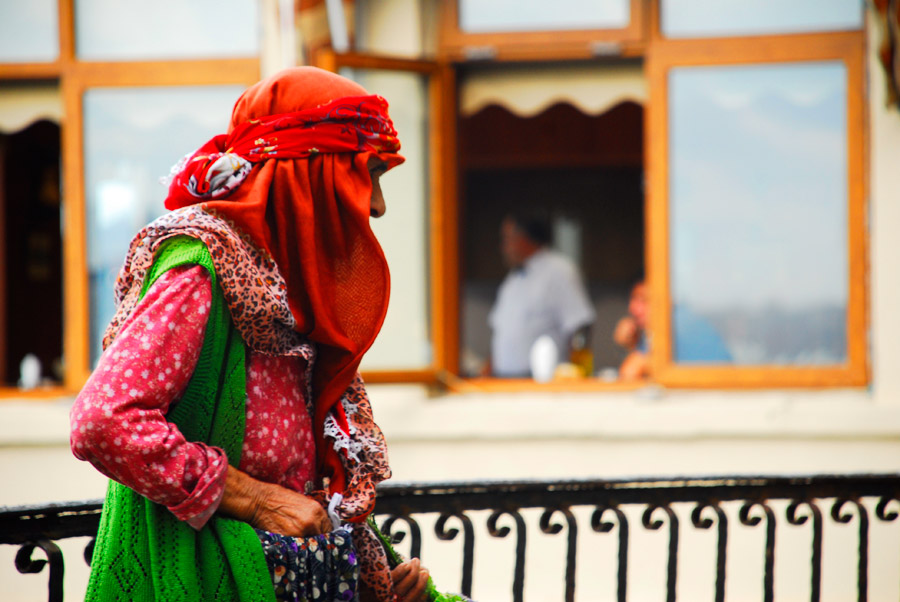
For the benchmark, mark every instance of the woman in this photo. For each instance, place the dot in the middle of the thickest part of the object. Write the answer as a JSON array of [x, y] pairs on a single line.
[[226, 407]]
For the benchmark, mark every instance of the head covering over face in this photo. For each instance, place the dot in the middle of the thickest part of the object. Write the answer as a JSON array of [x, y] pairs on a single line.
[[292, 176]]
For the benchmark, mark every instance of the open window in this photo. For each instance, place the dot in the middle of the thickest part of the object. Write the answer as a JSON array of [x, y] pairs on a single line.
[[574, 159], [418, 230]]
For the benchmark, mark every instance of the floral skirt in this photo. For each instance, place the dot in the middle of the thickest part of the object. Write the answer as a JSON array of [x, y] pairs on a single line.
[[312, 569]]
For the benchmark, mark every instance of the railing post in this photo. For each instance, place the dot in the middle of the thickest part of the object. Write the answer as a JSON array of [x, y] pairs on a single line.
[[26, 564]]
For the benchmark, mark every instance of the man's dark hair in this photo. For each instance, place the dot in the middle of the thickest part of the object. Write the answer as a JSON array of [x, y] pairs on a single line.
[[536, 227]]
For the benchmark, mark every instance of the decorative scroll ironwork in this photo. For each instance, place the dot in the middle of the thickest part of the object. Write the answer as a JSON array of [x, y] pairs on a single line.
[[862, 573], [26, 564], [571, 547], [721, 544], [598, 525], [752, 521], [847, 498], [415, 544], [519, 572], [444, 534], [672, 564], [815, 573]]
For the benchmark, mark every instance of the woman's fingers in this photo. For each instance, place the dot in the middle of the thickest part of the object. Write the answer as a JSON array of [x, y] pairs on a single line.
[[405, 576], [418, 592], [410, 581]]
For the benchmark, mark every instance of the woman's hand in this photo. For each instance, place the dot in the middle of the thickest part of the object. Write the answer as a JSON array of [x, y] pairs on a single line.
[[410, 579], [272, 507]]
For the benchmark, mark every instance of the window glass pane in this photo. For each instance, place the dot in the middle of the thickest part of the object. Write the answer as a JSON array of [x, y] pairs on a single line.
[[132, 137], [117, 30], [758, 213], [404, 342], [708, 18], [479, 16], [28, 31], [392, 28]]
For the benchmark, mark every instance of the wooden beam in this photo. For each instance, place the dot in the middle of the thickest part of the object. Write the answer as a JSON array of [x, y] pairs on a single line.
[[30, 71], [426, 376], [166, 73], [76, 293], [4, 377], [370, 61], [444, 212]]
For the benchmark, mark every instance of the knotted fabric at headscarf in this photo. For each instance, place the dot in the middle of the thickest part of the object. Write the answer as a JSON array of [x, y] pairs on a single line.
[[350, 124], [309, 212]]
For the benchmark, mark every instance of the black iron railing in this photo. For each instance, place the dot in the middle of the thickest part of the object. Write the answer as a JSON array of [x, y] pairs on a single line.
[[710, 502]]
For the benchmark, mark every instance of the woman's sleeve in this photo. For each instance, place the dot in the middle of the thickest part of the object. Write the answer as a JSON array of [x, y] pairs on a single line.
[[119, 419]]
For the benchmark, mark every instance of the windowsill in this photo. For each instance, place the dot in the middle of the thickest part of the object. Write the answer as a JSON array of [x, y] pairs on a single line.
[[43, 393], [527, 385]]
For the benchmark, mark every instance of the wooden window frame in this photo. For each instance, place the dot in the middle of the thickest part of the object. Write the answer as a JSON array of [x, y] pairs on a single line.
[[443, 246], [75, 77], [665, 54], [457, 45]]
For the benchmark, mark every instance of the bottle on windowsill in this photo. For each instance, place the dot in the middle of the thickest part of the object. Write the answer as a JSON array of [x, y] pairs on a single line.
[[581, 355]]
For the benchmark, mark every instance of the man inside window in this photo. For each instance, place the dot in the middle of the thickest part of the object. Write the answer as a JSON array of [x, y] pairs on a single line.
[[543, 294]]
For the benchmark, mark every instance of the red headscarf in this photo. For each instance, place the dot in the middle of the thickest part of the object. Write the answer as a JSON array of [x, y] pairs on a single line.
[[307, 205]]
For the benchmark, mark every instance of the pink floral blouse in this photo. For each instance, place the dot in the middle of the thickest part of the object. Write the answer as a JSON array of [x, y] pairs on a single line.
[[118, 420]]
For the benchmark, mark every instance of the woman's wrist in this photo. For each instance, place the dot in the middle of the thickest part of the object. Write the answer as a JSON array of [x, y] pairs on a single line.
[[242, 496]]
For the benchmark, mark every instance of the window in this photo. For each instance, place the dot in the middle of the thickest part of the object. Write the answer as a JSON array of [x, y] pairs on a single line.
[[756, 202], [100, 192], [785, 87], [404, 342], [757, 197], [580, 171], [415, 233]]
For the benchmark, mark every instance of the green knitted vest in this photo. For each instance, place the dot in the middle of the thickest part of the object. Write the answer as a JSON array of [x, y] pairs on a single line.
[[143, 553]]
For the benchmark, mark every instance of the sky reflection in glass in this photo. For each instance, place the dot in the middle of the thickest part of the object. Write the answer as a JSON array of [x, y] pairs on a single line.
[[758, 213], [29, 31], [166, 29], [711, 18], [483, 16]]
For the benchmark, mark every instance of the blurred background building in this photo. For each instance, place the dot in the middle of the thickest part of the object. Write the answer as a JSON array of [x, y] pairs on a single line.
[[739, 156]]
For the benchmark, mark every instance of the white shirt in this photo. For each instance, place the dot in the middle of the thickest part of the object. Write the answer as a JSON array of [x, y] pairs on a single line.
[[545, 296]]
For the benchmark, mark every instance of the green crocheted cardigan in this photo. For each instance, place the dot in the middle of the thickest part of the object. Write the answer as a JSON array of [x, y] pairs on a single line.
[[143, 553]]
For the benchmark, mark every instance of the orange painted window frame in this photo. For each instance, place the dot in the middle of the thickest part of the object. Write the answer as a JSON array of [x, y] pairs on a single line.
[[664, 55]]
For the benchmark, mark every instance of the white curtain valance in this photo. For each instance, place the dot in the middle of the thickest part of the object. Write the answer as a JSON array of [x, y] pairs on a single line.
[[528, 91], [20, 106]]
